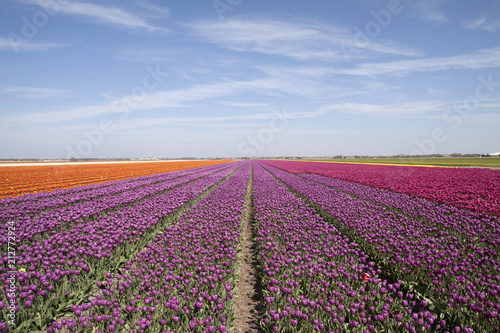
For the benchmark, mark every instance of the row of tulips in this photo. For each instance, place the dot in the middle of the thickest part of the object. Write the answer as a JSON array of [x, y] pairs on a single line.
[[470, 188], [66, 218], [25, 179], [36, 203], [472, 227], [64, 192], [459, 280], [316, 279], [183, 281], [61, 269]]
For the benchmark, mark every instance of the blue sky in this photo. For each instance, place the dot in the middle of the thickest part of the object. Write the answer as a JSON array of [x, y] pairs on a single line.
[[234, 78]]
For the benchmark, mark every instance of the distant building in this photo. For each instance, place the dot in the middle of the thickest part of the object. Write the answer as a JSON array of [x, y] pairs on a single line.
[[495, 154]]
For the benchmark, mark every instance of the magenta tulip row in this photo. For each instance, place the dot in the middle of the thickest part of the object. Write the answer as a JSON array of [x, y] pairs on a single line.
[[470, 188], [470, 226]]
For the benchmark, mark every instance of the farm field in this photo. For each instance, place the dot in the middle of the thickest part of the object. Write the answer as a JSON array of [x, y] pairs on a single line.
[[24, 179], [337, 248], [491, 162], [470, 188]]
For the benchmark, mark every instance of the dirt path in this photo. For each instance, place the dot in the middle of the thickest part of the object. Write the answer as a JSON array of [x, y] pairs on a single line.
[[248, 309]]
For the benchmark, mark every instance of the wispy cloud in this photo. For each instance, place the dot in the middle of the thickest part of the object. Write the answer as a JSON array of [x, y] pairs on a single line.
[[433, 109], [242, 104], [18, 43], [113, 16], [430, 10], [159, 121], [152, 9], [492, 103], [401, 109], [147, 55], [209, 93], [150, 101], [299, 40], [487, 23], [32, 92], [485, 58]]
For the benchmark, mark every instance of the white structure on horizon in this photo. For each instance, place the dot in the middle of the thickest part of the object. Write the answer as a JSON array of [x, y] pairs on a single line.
[[495, 154]]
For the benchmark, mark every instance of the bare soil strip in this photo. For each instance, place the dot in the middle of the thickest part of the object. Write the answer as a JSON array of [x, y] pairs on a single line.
[[247, 307]]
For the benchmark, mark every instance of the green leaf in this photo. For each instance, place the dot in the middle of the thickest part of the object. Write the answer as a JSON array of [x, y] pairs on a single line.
[[38, 319]]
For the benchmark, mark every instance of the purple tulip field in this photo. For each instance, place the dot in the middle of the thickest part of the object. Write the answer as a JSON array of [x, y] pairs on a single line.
[[336, 251]]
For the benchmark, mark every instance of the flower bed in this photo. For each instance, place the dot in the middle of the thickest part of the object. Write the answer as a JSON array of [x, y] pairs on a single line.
[[61, 269], [316, 279], [20, 180], [32, 204], [470, 188], [183, 280], [459, 280]]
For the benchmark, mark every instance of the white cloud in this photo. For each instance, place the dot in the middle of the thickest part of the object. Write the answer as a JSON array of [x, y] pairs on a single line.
[[492, 103], [427, 109], [152, 9], [100, 14], [243, 104], [146, 55], [32, 92], [486, 23], [485, 58], [150, 122], [402, 109], [273, 86], [429, 10], [150, 101], [301, 41], [17, 43]]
